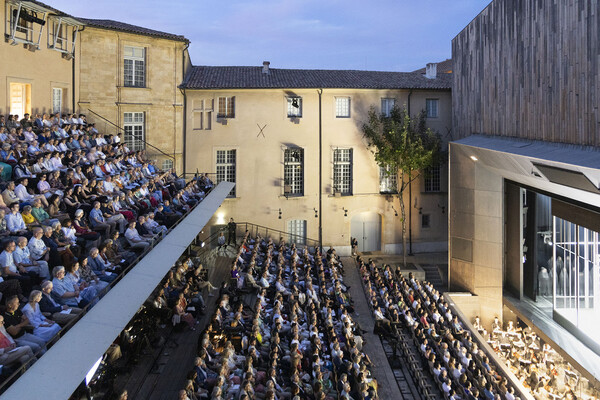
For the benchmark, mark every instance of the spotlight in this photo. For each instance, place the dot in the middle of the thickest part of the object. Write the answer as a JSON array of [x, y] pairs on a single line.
[[202, 244], [295, 103], [316, 213], [420, 210], [395, 212], [345, 212], [443, 208], [280, 213], [474, 158]]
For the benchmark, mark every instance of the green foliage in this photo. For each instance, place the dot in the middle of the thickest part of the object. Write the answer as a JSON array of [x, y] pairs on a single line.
[[401, 144]]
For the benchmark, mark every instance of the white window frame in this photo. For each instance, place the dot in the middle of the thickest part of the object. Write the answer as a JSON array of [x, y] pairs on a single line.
[[226, 107], [134, 127], [293, 170], [432, 108], [296, 229], [167, 164], [134, 66], [205, 112], [387, 104], [342, 171], [225, 163], [432, 181], [388, 182], [57, 97], [294, 112], [343, 106]]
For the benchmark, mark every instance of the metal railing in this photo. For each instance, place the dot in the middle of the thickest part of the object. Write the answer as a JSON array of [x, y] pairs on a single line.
[[24, 367], [123, 130], [275, 234]]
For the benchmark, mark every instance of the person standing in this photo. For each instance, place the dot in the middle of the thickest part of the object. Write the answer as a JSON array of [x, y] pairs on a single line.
[[221, 242], [231, 228]]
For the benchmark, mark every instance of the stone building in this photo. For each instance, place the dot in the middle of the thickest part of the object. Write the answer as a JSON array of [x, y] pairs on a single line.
[[260, 127]]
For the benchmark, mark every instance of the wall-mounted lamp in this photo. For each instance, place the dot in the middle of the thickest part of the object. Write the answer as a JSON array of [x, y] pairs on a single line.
[[316, 213], [474, 158], [420, 210], [395, 212], [442, 207], [345, 212], [280, 213]]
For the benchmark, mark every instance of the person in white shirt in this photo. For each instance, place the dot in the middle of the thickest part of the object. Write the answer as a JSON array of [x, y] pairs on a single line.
[[25, 197], [22, 257], [37, 247], [14, 220], [134, 238]]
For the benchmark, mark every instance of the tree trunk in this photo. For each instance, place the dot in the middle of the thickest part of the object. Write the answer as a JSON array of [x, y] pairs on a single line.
[[403, 213]]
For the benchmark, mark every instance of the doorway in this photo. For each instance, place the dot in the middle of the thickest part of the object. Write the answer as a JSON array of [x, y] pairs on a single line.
[[366, 228], [20, 98]]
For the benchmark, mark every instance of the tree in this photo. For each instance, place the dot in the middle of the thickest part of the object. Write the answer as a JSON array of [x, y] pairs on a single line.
[[403, 146]]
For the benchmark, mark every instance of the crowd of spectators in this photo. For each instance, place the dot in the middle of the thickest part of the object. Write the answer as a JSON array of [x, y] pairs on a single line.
[[282, 329], [460, 368], [538, 367], [77, 207]]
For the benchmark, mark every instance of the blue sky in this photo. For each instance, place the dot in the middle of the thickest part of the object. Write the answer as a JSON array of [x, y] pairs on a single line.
[[386, 35]]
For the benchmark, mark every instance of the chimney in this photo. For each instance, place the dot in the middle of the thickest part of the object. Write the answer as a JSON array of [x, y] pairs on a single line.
[[265, 69], [431, 71]]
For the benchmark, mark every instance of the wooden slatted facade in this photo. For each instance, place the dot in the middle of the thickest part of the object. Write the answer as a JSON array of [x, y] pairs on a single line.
[[529, 69]]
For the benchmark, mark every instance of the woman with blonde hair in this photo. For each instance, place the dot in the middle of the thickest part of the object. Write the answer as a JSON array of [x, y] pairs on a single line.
[[43, 327]]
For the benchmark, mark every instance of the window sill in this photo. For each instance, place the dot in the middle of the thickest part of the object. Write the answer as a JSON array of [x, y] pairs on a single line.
[[340, 195], [343, 117], [134, 87], [292, 196]]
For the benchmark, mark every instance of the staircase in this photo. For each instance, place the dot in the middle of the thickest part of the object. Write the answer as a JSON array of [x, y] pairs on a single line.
[[432, 274]]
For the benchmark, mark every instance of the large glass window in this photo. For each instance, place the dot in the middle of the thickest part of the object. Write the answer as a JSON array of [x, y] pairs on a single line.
[[342, 171], [134, 71], [297, 231], [293, 171], [133, 124], [226, 160], [576, 254]]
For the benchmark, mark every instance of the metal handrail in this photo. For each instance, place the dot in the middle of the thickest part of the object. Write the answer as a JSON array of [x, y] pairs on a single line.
[[123, 130], [304, 241]]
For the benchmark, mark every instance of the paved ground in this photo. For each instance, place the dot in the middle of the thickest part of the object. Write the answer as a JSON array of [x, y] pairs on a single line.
[[387, 386]]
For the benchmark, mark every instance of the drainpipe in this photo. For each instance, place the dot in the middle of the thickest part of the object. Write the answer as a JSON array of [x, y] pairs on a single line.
[[320, 91], [410, 207], [73, 98], [184, 158]]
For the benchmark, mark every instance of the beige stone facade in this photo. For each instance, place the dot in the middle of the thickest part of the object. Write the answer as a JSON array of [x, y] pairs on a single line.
[[31, 69], [157, 105], [261, 131]]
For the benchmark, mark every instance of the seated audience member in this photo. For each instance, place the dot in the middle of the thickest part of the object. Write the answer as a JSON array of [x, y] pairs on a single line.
[[62, 314], [10, 270], [10, 351], [14, 221], [43, 327], [22, 258], [134, 238], [104, 270], [64, 290], [15, 323]]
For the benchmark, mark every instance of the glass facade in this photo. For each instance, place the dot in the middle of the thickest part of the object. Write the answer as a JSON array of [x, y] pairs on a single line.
[[576, 272]]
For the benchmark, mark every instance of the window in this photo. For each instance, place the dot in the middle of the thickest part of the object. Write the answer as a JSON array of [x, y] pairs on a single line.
[[297, 231], [20, 98], [58, 35], [432, 179], [135, 66], [226, 168], [425, 221], [387, 105], [293, 171], [202, 114], [226, 107], [387, 180], [134, 130], [294, 107], [342, 107], [57, 95], [342, 171], [432, 108], [167, 164]]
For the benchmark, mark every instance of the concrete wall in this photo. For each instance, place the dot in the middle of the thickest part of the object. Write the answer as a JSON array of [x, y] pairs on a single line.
[[476, 231], [101, 87], [43, 69], [260, 161]]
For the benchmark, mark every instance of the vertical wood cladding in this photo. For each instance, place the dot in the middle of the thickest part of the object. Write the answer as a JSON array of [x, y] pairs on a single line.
[[530, 69]]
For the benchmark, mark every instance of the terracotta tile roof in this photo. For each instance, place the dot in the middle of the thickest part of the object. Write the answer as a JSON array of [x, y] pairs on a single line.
[[207, 77], [122, 26]]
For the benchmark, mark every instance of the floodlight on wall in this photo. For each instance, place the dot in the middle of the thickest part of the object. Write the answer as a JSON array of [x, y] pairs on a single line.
[[443, 208], [316, 213], [420, 210], [396, 212], [280, 213], [345, 212], [295, 103], [474, 158]]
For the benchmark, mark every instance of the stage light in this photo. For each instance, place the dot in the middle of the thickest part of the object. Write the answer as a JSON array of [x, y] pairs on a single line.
[[92, 372], [474, 158]]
